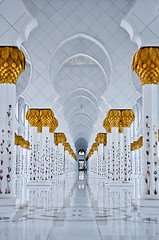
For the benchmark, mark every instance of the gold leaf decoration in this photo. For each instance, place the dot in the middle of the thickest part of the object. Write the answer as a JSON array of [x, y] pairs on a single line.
[[146, 65], [12, 64]]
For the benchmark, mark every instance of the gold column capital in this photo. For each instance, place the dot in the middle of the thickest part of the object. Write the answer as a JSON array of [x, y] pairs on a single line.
[[106, 125], [128, 117], [33, 117], [101, 138], [114, 117], [90, 153], [46, 117], [15, 139], [53, 125], [27, 145], [146, 65], [94, 147], [140, 142], [39, 127], [20, 141], [137, 144], [132, 146], [12, 64], [67, 147], [60, 138], [74, 156], [120, 127]]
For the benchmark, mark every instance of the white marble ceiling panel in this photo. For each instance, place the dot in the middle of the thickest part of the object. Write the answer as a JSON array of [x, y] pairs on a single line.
[[81, 104], [89, 77]]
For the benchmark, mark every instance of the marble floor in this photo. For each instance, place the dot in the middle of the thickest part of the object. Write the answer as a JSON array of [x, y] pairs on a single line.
[[77, 207]]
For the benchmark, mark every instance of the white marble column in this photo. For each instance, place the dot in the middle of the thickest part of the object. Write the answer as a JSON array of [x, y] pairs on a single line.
[[101, 140], [7, 119], [39, 156], [108, 163], [105, 155], [52, 153], [60, 159], [33, 153], [95, 156], [127, 155], [67, 161], [100, 159], [12, 65], [150, 139], [45, 153], [115, 154], [55, 161], [145, 64], [121, 139]]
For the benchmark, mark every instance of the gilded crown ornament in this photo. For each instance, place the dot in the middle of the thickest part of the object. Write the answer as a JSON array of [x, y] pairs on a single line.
[[53, 125], [118, 118], [106, 125], [95, 147], [12, 64], [72, 153], [46, 117], [114, 117], [33, 117], [128, 117], [146, 65], [55, 139], [15, 139], [74, 156], [140, 142], [137, 144], [27, 145], [39, 126], [132, 146], [60, 138], [120, 127], [20, 141], [101, 138], [67, 147], [90, 153]]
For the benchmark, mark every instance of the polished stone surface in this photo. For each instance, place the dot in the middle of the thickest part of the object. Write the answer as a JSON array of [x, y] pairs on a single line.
[[78, 209]]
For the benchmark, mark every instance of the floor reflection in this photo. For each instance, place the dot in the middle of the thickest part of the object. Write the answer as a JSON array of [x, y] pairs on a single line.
[[76, 207]]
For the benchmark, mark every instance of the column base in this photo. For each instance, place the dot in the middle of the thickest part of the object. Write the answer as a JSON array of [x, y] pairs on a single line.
[[127, 184], [147, 206], [8, 200], [119, 184], [39, 183], [149, 201], [8, 206]]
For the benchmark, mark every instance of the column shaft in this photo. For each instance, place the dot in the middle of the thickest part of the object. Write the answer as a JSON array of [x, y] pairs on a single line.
[[150, 138], [7, 119]]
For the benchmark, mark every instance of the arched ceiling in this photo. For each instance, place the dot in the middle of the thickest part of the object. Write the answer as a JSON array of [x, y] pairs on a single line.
[[81, 60], [80, 57]]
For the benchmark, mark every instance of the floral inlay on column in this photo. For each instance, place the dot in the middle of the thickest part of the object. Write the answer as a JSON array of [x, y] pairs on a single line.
[[12, 64], [146, 65], [2, 158]]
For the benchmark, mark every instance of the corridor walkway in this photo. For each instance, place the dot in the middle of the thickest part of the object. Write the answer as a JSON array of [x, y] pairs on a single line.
[[77, 208]]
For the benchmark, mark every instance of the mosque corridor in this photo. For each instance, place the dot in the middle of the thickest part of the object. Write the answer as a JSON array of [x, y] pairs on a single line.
[[78, 206]]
